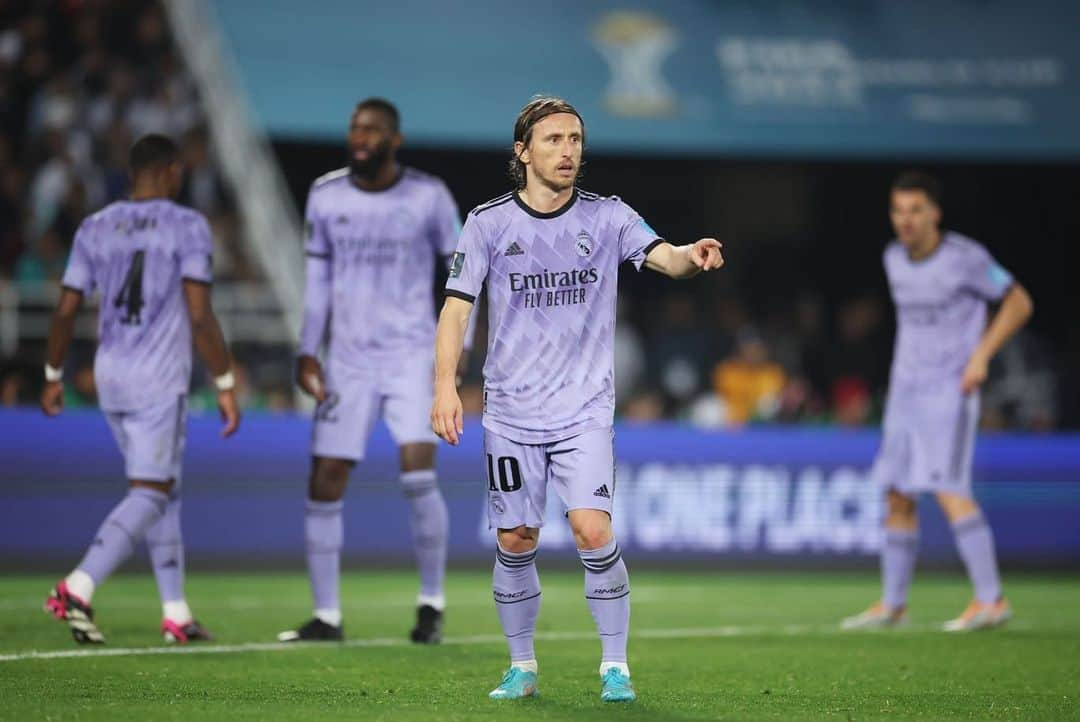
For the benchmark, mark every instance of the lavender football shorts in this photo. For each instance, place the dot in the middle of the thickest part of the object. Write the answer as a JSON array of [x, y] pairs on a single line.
[[928, 440], [152, 439], [581, 469], [356, 397]]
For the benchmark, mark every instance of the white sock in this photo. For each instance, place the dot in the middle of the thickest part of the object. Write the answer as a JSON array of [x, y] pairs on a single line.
[[177, 611], [525, 665], [436, 602], [330, 616], [621, 666], [80, 584]]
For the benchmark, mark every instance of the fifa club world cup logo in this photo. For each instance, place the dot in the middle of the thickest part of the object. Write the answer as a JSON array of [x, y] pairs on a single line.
[[635, 45]]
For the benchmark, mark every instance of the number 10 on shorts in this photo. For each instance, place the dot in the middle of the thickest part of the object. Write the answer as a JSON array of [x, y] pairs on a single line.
[[509, 473]]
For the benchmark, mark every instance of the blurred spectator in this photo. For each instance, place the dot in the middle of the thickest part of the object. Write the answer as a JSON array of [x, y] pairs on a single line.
[[1022, 389], [644, 406], [12, 383], [679, 351], [851, 402], [800, 403], [472, 399], [44, 260], [749, 382], [861, 349], [629, 353], [80, 391]]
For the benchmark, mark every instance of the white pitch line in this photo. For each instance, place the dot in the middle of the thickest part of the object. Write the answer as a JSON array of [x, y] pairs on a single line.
[[686, 633]]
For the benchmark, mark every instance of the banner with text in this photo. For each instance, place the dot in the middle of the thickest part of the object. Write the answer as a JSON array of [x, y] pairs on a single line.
[[759, 494]]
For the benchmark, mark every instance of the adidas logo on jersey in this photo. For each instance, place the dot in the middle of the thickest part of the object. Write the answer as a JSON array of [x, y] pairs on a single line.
[[514, 250], [602, 492]]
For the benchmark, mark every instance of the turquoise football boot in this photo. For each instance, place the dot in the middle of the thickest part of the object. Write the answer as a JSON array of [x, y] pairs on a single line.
[[616, 687], [516, 684]]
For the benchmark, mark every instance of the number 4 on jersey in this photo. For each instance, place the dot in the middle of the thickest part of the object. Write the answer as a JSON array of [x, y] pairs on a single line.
[[130, 296]]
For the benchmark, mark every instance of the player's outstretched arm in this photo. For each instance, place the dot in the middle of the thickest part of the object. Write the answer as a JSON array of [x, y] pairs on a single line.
[[210, 343], [446, 412], [685, 261], [1015, 310], [61, 331]]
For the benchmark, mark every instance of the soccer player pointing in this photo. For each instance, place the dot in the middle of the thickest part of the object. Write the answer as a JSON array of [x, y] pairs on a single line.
[[548, 254]]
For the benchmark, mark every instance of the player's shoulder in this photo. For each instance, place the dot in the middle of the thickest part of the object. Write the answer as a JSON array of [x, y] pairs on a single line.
[[182, 213], [329, 180], [419, 177], [893, 252], [499, 204], [613, 205], [590, 197], [100, 218], [962, 245], [183, 217]]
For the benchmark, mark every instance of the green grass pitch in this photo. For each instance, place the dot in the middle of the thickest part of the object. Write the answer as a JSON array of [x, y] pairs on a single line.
[[704, 646]]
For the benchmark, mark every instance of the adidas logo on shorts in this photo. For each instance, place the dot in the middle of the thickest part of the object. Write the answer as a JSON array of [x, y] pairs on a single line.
[[514, 250], [602, 492]]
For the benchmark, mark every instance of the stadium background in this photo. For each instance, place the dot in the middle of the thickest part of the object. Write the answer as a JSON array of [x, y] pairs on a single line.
[[775, 127]]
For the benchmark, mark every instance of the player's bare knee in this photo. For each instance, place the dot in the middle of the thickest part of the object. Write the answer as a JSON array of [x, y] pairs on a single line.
[[956, 506], [417, 457], [329, 478], [902, 511], [519, 539], [591, 530], [165, 487]]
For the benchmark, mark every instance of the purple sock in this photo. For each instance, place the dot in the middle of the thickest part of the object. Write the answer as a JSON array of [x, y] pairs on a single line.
[[517, 597], [123, 528], [607, 590], [898, 555], [324, 533], [975, 543], [430, 525], [166, 546]]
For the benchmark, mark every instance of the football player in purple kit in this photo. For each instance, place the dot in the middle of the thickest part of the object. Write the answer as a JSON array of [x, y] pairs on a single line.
[[149, 259], [941, 283], [373, 232], [548, 254]]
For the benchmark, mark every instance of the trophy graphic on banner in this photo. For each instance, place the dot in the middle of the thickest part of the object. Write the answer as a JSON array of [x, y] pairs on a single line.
[[635, 45]]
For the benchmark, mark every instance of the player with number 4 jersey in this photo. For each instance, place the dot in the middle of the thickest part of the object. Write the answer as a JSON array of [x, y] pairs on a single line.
[[149, 259]]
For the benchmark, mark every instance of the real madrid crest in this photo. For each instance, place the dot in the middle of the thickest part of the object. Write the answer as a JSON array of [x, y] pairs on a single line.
[[584, 244]]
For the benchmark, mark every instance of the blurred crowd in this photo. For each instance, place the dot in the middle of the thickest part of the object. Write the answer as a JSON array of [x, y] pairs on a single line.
[[709, 362], [80, 80]]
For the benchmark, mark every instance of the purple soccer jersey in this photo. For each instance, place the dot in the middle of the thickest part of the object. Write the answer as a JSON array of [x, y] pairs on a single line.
[[137, 254], [940, 308], [551, 280], [370, 265]]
